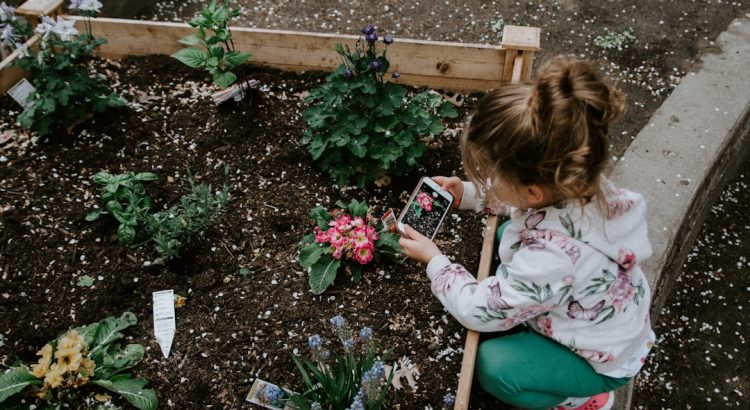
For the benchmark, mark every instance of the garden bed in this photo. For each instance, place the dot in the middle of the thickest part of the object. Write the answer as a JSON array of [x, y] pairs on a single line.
[[234, 327]]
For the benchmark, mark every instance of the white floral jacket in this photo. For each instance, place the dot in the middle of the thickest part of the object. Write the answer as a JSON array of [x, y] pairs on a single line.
[[567, 272]]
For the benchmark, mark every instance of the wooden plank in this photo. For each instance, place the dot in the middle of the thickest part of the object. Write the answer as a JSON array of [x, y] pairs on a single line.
[[9, 76], [466, 377], [528, 63], [521, 38], [454, 66], [35, 8]]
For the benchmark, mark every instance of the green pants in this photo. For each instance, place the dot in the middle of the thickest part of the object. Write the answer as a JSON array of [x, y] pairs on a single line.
[[526, 369]]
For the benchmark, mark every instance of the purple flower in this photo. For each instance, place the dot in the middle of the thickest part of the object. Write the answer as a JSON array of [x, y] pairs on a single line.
[[377, 65], [348, 344], [365, 333], [338, 322], [396, 74], [314, 342], [7, 12], [371, 37], [348, 73], [449, 400], [7, 36], [316, 406], [388, 39], [272, 393], [368, 29]]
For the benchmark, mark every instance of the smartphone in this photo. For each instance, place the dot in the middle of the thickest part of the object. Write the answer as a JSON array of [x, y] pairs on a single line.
[[426, 208]]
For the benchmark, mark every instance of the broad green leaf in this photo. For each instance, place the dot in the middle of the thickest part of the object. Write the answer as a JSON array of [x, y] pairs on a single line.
[[191, 57], [126, 234], [224, 79], [93, 216], [118, 359], [322, 273], [235, 58], [15, 381], [191, 40], [146, 176], [357, 208], [447, 110], [317, 147], [311, 254], [131, 390], [321, 217], [108, 331]]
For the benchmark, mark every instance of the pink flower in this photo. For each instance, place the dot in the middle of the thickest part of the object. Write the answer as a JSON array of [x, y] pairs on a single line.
[[358, 222], [621, 291], [595, 355], [334, 235], [618, 207], [444, 280], [525, 313], [568, 280], [364, 254], [425, 201], [321, 236], [337, 252], [372, 234], [360, 237], [344, 222], [545, 325]]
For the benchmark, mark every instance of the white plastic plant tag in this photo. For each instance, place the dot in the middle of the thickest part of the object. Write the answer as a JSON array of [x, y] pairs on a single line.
[[269, 395], [164, 320], [21, 92]]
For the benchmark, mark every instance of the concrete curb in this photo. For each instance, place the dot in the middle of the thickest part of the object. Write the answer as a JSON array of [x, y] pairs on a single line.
[[684, 157]]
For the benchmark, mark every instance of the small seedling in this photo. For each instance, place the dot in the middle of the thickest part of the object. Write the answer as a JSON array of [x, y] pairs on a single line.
[[85, 281], [612, 40]]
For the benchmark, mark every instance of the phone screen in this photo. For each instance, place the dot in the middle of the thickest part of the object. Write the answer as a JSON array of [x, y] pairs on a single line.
[[426, 210]]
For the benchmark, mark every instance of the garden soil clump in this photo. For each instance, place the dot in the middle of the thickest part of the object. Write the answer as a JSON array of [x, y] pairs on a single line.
[[248, 305]]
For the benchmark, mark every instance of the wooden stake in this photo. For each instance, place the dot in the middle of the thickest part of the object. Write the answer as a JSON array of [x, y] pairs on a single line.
[[521, 43]]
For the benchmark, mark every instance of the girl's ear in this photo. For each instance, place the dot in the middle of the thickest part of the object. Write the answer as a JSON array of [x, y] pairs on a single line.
[[536, 195]]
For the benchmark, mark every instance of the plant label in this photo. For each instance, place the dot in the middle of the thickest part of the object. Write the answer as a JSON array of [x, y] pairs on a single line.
[[268, 395], [21, 92], [411, 373], [389, 220], [164, 319]]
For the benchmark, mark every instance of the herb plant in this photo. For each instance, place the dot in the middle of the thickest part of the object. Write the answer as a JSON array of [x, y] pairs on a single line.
[[361, 127], [66, 92], [218, 55], [125, 198], [352, 380], [89, 354], [349, 236], [613, 40]]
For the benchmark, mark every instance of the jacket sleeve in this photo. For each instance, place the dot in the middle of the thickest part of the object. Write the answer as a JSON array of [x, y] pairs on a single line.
[[534, 282], [475, 200]]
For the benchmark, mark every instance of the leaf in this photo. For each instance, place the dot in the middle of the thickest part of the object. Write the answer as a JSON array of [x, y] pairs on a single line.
[[126, 234], [224, 79], [191, 40], [357, 208], [447, 110], [321, 217], [191, 57], [131, 390], [85, 281], [146, 176], [311, 254], [235, 58], [93, 216], [15, 381], [323, 273], [108, 331]]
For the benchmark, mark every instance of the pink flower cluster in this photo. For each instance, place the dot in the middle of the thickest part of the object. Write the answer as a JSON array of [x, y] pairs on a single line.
[[425, 201], [352, 238]]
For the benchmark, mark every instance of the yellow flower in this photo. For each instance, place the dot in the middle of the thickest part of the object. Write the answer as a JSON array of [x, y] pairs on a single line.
[[54, 376], [40, 369], [88, 366], [70, 340], [69, 360]]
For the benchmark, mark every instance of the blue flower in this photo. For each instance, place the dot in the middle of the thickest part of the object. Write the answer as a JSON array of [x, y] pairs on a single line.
[[376, 65], [314, 342], [338, 322], [316, 406], [375, 374], [357, 403], [365, 333], [368, 29], [448, 400], [372, 37], [388, 39], [348, 73], [272, 393], [396, 74], [348, 344]]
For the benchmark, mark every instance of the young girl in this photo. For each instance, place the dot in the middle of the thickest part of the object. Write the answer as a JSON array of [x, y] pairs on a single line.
[[569, 254]]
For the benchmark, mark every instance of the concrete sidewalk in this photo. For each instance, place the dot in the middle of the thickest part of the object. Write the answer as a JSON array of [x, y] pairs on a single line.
[[683, 158]]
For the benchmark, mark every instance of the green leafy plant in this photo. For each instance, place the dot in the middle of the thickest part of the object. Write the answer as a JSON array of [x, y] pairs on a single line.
[[353, 380], [218, 55], [85, 355], [349, 236], [361, 127], [125, 198], [613, 40], [66, 93]]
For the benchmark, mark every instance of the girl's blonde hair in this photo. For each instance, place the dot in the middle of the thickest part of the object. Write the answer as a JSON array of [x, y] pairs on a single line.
[[550, 132]]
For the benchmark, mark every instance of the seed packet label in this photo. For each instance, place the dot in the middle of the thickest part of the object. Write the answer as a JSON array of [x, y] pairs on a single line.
[[164, 319], [21, 92], [259, 395], [389, 220]]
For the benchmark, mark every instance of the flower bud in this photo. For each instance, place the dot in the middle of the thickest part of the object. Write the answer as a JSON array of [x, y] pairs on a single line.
[[388, 39]]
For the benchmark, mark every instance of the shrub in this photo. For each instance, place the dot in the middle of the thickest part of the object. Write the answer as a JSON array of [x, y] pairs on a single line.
[[65, 91], [352, 380], [219, 57], [361, 127], [611, 40], [125, 198], [88, 354], [348, 235]]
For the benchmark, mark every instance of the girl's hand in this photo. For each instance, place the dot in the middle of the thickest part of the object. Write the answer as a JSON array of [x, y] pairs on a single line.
[[452, 185], [417, 246]]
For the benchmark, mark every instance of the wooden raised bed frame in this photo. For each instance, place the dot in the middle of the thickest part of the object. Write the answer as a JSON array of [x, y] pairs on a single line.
[[436, 64]]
